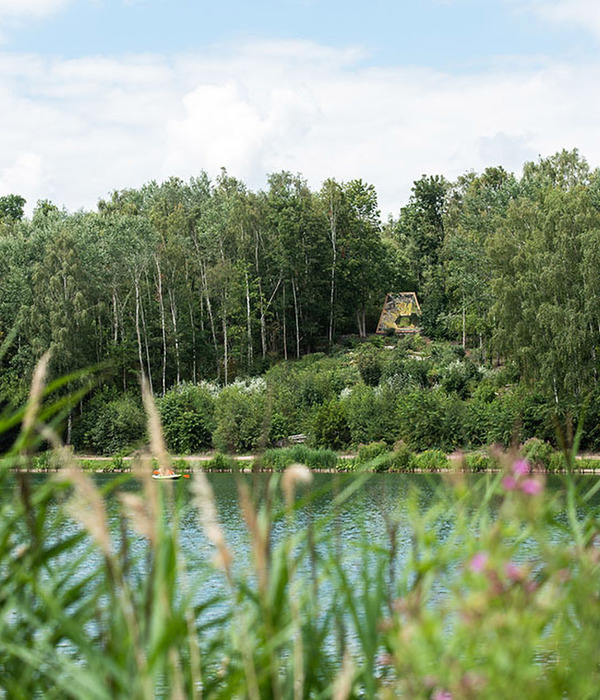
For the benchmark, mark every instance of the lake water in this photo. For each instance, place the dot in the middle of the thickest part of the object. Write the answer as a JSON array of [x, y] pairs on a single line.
[[365, 516], [378, 501]]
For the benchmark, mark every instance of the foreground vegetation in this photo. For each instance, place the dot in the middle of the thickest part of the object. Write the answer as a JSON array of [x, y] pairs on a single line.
[[493, 595]]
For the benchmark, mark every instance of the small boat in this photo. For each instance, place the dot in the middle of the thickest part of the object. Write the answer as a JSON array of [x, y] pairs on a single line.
[[166, 476]]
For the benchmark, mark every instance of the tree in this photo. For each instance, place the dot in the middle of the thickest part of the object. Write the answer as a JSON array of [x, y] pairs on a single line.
[[545, 280], [12, 207], [421, 231]]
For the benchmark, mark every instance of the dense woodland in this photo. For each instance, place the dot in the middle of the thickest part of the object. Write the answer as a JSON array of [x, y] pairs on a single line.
[[203, 284]]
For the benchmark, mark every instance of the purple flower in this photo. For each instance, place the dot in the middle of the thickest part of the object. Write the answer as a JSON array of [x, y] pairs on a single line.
[[532, 487], [509, 483], [520, 467], [478, 562]]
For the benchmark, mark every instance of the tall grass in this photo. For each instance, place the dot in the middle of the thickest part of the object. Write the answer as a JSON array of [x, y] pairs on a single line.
[[494, 596]]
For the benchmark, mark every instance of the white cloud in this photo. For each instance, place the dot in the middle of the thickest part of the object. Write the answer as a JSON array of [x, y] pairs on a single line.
[[23, 176], [72, 131], [31, 7], [584, 14]]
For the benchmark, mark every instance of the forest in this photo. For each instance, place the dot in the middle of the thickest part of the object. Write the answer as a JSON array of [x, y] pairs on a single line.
[[256, 311]]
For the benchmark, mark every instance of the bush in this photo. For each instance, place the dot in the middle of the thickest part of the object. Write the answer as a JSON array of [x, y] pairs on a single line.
[[366, 453], [557, 462], [111, 424], [369, 366], [187, 414], [371, 414], [330, 427], [402, 459], [478, 462], [537, 452], [431, 461], [278, 429], [220, 463], [117, 464], [239, 420], [431, 419], [279, 459], [456, 377]]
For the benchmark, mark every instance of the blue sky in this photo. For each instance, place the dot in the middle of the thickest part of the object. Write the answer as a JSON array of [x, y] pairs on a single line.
[[462, 34], [105, 94]]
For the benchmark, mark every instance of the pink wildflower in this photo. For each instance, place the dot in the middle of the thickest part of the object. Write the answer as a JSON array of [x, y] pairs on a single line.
[[442, 695], [532, 487], [530, 586], [513, 572], [478, 562], [509, 483], [520, 467]]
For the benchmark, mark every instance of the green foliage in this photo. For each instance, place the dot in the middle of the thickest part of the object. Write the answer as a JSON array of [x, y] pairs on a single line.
[[429, 419], [279, 429], [239, 417], [558, 463], [478, 462], [187, 413], [431, 461], [370, 414], [402, 459], [112, 611], [111, 424], [12, 207], [369, 366], [220, 463], [279, 459], [330, 427], [366, 453], [537, 452], [117, 464]]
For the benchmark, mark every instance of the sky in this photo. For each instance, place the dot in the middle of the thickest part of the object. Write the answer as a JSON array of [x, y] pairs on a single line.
[[99, 95]]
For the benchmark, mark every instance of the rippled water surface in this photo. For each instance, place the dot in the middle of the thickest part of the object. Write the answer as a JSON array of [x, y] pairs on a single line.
[[364, 516]]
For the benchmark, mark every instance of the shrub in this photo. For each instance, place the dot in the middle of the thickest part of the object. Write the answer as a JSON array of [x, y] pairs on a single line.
[[279, 459], [117, 464], [402, 459], [557, 462], [41, 462], [112, 425], [239, 420], [366, 453], [456, 377], [330, 427], [478, 462], [220, 463], [431, 461], [371, 414], [278, 429], [369, 366], [187, 413], [431, 419], [537, 452]]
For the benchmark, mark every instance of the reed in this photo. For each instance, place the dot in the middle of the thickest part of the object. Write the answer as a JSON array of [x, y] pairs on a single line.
[[495, 596]]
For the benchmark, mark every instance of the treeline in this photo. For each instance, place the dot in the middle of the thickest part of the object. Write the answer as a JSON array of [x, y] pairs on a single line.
[[211, 281]]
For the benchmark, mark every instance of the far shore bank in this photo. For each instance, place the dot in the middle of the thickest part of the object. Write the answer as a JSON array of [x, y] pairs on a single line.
[[372, 458]]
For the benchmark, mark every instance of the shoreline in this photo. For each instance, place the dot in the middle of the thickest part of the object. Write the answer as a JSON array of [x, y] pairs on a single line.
[[249, 470]]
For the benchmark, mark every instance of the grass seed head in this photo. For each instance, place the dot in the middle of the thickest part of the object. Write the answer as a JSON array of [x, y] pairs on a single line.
[[205, 502], [35, 393], [295, 474], [87, 507]]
